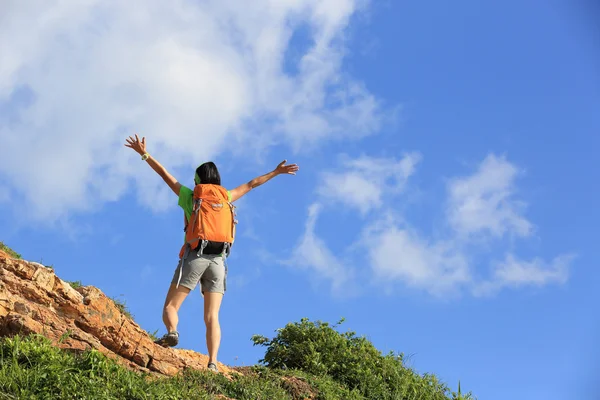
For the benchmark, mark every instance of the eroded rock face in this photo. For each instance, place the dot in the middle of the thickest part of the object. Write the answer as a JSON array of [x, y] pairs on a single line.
[[34, 300]]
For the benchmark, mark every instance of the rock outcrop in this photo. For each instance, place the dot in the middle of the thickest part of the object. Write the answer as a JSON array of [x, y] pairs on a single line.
[[34, 300]]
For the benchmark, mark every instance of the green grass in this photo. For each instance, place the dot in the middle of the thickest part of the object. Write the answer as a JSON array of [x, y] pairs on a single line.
[[122, 307], [9, 251], [75, 284], [31, 368], [153, 335]]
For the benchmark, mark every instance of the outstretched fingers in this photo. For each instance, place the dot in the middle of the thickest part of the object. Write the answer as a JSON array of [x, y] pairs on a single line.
[[287, 169], [291, 169], [129, 142], [133, 141]]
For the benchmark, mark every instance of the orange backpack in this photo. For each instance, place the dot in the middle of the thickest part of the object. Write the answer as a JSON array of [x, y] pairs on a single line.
[[212, 219]]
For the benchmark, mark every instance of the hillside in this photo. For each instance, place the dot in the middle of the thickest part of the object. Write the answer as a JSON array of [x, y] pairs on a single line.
[[64, 340]]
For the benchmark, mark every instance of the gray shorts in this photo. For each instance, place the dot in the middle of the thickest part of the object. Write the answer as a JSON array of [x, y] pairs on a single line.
[[209, 270]]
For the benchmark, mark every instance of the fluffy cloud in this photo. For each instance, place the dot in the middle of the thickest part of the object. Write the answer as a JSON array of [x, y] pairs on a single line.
[[514, 272], [401, 254], [313, 255], [364, 182], [482, 203], [77, 76]]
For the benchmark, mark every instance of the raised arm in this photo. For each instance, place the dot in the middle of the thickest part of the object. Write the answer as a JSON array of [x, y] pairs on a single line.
[[241, 190], [139, 146]]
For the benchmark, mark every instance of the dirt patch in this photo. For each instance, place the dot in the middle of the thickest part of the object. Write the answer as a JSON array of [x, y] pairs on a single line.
[[298, 388]]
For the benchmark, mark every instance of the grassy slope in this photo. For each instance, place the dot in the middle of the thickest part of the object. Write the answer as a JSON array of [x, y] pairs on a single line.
[[32, 368], [9, 251]]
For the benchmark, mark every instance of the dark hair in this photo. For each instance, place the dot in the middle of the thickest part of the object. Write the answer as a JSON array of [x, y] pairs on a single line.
[[208, 174]]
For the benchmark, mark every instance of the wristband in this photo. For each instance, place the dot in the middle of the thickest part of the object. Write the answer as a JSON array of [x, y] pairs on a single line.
[[145, 156]]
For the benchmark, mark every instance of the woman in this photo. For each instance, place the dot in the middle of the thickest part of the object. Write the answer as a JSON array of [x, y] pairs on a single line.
[[206, 267]]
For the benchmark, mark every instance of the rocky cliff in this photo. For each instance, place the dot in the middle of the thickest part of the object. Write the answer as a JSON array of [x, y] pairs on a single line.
[[34, 300]]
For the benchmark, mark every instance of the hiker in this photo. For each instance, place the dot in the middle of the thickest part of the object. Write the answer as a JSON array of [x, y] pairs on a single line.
[[202, 257]]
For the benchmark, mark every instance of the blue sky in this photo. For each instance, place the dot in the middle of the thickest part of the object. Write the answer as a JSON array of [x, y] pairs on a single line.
[[446, 204]]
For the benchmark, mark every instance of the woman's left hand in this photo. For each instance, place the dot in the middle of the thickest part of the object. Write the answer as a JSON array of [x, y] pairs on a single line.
[[290, 169]]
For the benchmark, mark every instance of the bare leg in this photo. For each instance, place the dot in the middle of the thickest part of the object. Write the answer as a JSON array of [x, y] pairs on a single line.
[[212, 304], [174, 299]]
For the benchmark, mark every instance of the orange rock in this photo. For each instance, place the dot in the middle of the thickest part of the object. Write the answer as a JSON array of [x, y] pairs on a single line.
[[34, 300]]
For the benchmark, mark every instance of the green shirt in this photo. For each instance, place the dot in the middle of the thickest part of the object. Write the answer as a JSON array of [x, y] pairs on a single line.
[[186, 200]]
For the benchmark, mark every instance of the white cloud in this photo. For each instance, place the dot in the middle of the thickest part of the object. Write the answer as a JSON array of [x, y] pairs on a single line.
[[483, 202], [514, 272], [400, 254], [453, 261], [77, 76], [312, 254], [353, 189], [537, 272], [366, 181]]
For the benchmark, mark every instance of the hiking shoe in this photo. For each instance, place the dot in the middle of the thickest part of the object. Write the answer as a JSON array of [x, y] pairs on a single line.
[[168, 340], [213, 367]]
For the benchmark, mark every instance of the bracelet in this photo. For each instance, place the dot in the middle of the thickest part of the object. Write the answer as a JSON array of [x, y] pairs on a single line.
[[145, 156]]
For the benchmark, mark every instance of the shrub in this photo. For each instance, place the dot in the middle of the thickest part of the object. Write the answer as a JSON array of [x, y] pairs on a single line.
[[318, 348]]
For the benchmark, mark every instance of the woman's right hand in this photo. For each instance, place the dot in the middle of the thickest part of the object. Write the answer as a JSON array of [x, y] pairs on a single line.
[[136, 144]]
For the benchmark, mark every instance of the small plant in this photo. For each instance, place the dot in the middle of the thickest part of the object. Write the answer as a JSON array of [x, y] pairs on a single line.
[[459, 396], [75, 284], [9, 251], [41, 262], [153, 335], [65, 336], [122, 307]]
